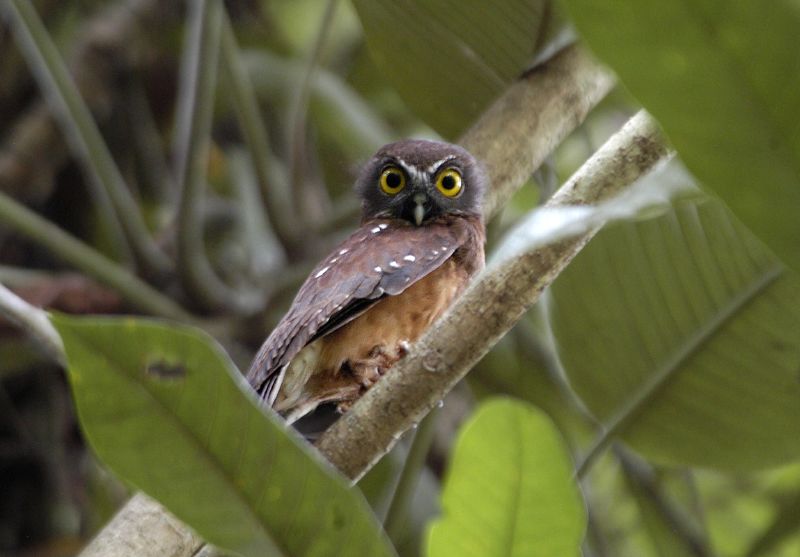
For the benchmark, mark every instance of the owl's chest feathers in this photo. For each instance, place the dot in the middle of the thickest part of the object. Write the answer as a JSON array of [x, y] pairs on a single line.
[[334, 366]]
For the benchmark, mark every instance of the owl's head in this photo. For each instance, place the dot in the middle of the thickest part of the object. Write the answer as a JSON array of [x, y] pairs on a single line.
[[417, 180]]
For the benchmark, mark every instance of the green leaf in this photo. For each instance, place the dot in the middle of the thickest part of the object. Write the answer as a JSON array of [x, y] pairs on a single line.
[[723, 78], [680, 332], [449, 60], [166, 410], [510, 489]]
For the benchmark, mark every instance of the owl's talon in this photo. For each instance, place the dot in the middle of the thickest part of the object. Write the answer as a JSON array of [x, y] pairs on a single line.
[[403, 348]]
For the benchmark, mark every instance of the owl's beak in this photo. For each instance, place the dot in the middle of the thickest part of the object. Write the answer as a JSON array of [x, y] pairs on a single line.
[[419, 207]]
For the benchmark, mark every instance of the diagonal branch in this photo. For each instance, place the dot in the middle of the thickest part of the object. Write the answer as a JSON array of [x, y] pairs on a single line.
[[512, 138]]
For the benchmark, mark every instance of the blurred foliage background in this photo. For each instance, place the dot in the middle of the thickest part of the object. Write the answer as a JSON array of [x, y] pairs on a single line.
[[676, 329]]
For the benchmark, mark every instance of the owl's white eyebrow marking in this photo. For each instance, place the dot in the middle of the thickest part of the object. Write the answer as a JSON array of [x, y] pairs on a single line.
[[410, 258], [343, 251], [418, 174], [394, 264], [378, 270], [432, 168], [322, 271]]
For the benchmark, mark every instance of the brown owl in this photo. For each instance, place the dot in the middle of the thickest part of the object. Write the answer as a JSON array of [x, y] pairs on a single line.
[[420, 242]]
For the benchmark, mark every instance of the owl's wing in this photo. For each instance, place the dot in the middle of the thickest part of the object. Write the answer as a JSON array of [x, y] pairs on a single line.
[[382, 258]]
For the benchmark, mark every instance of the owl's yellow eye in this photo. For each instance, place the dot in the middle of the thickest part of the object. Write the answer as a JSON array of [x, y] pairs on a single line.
[[449, 182], [392, 180]]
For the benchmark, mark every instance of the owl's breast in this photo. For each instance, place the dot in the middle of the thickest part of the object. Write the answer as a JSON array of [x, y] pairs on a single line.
[[322, 371]]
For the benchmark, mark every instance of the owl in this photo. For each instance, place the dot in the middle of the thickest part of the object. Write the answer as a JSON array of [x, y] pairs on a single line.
[[420, 242]]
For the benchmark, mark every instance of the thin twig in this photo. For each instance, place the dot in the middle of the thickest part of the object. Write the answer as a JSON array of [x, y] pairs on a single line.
[[83, 135], [89, 261]]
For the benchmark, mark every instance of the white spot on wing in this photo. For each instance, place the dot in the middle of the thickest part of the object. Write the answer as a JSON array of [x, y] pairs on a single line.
[[410, 258], [394, 264], [343, 251], [435, 252], [383, 226], [322, 271], [376, 230], [378, 270], [444, 248]]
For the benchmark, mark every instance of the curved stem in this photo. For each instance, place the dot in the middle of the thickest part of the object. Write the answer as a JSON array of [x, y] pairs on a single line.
[[195, 111]]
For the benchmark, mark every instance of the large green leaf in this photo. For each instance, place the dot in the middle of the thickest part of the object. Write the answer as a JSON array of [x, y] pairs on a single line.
[[510, 489], [449, 60], [723, 78], [683, 331], [165, 409]]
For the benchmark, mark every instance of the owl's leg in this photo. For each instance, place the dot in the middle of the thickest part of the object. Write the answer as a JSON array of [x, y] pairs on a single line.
[[366, 371]]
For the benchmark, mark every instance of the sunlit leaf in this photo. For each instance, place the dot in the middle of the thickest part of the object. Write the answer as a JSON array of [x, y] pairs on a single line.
[[723, 78], [509, 490], [166, 410]]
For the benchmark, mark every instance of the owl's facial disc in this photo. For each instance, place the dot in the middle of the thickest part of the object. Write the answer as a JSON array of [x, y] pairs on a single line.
[[417, 180]]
